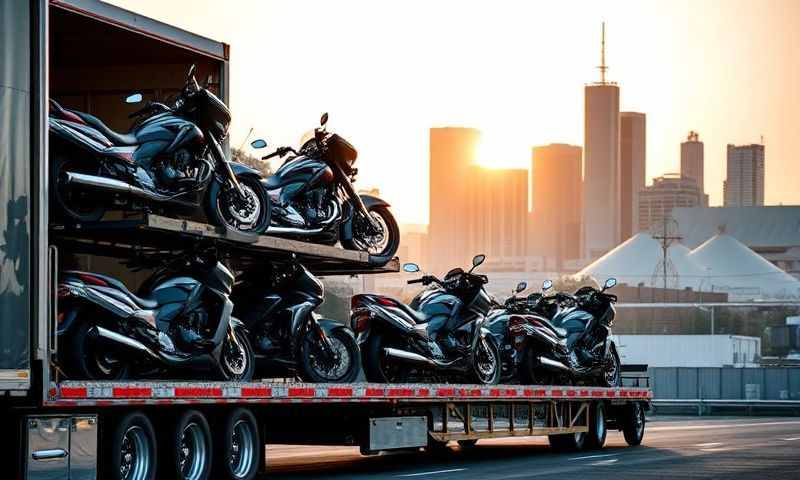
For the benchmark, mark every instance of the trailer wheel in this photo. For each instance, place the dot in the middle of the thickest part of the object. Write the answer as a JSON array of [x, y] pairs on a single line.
[[567, 442], [131, 444], [467, 444], [633, 421], [596, 437], [188, 448], [239, 450], [437, 447]]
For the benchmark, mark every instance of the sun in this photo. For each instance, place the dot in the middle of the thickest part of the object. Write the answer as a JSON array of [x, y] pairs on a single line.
[[501, 151]]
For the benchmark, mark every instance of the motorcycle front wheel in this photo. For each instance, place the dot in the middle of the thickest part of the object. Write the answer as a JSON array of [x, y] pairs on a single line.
[[251, 214], [612, 369], [486, 362], [382, 244], [237, 361], [340, 366]]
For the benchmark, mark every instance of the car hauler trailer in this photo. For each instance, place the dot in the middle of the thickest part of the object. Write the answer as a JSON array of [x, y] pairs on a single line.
[[90, 55]]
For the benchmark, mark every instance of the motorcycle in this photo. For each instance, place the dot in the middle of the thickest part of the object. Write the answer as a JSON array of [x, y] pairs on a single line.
[[171, 158], [441, 335], [313, 198], [574, 345], [106, 332], [287, 334]]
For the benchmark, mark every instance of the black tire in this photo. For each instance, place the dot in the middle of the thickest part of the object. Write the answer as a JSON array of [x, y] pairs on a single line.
[[239, 451], [614, 365], [86, 358], [388, 250], [633, 423], [219, 211], [376, 367], [313, 363], [596, 437], [437, 447], [237, 362], [467, 444], [567, 442], [187, 447], [74, 203], [132, 448], [529, 371], [485, 369]]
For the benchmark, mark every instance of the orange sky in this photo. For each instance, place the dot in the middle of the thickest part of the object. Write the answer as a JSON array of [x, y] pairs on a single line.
[[387, 71]]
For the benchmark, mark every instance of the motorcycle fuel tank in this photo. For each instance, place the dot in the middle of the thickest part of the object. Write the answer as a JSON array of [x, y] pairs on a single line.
[[299, 172]]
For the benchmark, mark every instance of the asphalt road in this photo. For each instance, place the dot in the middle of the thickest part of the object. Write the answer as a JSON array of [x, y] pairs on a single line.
[[741, 448]]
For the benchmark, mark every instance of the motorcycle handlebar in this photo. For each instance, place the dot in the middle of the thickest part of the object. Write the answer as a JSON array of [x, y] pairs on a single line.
[[281, 151], [418, 280]]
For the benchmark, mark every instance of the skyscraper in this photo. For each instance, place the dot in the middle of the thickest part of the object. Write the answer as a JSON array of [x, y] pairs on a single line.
[[692, 162], [670, 191], [555, 233], [744, 186], [452, 151], [633, 143], [601, 192]]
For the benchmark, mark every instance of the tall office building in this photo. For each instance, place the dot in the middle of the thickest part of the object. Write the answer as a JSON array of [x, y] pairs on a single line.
[[601, 192], [452, 152], [496, 214], [744, 186], [555, 232], [632, 155], [692, 162], [670, 191]]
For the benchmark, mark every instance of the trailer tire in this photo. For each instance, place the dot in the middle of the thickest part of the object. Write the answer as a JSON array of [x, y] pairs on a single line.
[[567, 442], [596, 437], [239, 451], [187, 441], [633, 421], [467, 444], [133, 450]]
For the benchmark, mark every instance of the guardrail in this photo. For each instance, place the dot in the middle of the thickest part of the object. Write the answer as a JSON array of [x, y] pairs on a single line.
[[702, 407]]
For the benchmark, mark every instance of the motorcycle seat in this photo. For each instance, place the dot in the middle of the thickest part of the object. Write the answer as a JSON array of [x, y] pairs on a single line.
[[118, 139], [113, 282]]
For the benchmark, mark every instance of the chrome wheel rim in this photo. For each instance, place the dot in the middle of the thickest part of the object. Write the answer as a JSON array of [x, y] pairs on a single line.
[[234, 356], [242, 449], [134, 454], [193, 454], [638, 419], [376, 243], [611, 371], [486, 363], [331, 368], [240, 214]]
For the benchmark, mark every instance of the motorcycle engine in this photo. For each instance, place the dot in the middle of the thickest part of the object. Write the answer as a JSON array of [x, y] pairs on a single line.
[[315, 206], [177, 168], [193, 330]]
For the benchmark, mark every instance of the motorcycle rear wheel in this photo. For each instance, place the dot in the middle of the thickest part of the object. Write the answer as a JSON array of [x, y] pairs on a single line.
[[73, 202], [86, 358], [377, 368], [237, 361], [612, 368]]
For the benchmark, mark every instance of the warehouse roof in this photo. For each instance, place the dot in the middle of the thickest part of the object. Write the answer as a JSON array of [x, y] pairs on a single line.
[[772, 226]]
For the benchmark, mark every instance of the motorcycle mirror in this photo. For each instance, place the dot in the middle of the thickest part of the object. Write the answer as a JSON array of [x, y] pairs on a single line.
[[521, 286], [478, 259], [191, 71], [134, 98], [547, 285], [410, 267], [610, 283], [323, 120], [258, 143]]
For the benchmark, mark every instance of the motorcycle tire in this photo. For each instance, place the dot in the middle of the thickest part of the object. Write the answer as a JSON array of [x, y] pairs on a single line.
[[72, 203], [234, 372], [83, 359], [346, 345], [486, 377], [391, 229], [374, 368], [606, 380], [220, 212]]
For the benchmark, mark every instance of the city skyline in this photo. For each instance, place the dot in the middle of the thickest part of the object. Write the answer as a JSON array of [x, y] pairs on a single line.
[[520, 82]]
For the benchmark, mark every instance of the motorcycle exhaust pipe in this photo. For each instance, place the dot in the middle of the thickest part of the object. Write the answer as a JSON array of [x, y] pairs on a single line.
[[115, 337], [110, 184], [552, 364], [306, 231], [414, 358]]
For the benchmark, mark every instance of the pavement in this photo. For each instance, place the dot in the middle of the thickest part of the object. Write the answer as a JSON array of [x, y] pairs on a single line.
[[673, 447]]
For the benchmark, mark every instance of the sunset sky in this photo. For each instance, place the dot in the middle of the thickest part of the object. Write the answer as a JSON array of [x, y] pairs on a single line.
[[388, 71]]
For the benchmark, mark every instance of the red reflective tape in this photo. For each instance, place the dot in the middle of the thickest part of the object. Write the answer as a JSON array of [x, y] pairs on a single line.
[[400, 392], [423, 392], [623, 393], [52, 392], [556, 393], [446, 392], [198, 392], [584, 393], [571, 393], [540, 392], [132, 392], [494, 392], [340, 392], [597, 393], [472, 392], [256, 392], [374, 392], [611, 393], [73, 392], [301, 392]]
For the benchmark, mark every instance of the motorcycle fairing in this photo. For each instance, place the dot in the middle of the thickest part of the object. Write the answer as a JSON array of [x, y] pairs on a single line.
[[299, 170]]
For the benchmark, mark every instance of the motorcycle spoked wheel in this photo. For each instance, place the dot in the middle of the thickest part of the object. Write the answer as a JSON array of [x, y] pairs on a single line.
[[237, 360], [382, 245], [378, 368], [486, 363], [75, 203], [612, 369], [87, 358], [251, 215], [317, 365]]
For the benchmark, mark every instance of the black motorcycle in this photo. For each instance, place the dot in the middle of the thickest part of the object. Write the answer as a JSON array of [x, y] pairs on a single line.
[[313, 198], [441, 335], [277, 303], [574, 345], [183, 325], [171, 158]]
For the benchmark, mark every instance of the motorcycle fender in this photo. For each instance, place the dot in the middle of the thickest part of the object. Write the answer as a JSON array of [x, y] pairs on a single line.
[[240, 169], [225, 322], [329, 326], [369, 201]]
